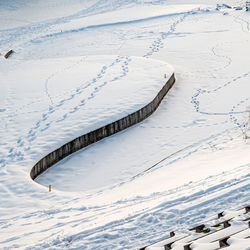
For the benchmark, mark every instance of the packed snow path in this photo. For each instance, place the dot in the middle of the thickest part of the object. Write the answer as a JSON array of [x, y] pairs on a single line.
[[194, 132]]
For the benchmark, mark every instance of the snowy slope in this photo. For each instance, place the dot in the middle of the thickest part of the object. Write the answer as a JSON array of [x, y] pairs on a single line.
[[187, 161], [70, 97]]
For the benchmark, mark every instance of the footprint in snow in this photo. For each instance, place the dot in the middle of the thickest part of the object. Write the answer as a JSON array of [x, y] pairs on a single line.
[[27, 149], [60, 103], [37, 125], [103, 84], [82, 103], [91, 96], [74, 110], [44, 117], [46, 127], [71, 97], [31, 134], [63, 118], [51, 111]]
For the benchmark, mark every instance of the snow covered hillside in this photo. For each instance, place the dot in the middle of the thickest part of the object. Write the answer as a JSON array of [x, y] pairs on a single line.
[[79, 64]]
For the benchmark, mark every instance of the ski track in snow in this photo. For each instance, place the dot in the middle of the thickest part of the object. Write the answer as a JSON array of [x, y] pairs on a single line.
[[155, 46], [147, 224], [189, 150]]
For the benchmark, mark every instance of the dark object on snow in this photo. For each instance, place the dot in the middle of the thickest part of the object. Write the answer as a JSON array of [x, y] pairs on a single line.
[[198, 229], [172, 234], [226, 6], [247, 5], [220, 215], [223, 6], [223, 242], [226, 224], [8, 53], [247, 208], [168, 246]]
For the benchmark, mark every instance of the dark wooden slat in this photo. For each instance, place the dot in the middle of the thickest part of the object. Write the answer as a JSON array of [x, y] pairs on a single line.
[[8, 53]]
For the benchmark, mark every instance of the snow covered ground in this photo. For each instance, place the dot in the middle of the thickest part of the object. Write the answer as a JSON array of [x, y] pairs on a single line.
[[181, 165]]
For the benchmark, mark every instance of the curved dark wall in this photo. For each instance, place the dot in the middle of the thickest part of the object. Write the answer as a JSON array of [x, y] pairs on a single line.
[[98, 134]]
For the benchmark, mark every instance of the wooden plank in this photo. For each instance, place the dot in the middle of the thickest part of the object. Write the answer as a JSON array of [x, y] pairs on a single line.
[[8, 53]]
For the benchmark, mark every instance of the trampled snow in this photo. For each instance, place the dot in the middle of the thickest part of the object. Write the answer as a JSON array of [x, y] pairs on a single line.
[[75, 66]]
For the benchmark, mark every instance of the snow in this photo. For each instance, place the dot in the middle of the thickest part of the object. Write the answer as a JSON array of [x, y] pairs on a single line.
[[136, 14], [15, 14], [236, 243], [236, 229], [166, 241], [186, 162], [62, 98]]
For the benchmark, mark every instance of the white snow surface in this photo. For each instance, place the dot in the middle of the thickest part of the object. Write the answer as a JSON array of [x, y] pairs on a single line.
[[73, 96], [79, 64]]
